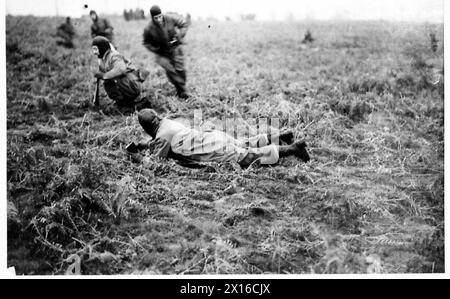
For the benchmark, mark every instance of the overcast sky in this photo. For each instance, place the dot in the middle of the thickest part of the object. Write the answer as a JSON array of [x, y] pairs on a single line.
[[403, 10]]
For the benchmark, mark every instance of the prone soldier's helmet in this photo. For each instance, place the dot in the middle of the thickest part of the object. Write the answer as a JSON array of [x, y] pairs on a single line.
[[149, 121]]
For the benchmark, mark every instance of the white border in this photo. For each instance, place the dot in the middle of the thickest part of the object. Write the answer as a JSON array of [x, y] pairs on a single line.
[[446, 135], [3, 167]]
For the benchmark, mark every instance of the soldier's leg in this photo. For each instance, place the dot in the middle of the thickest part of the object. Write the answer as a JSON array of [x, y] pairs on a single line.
[[267, 139], [211, 146], [130, 88], [297, 149], [224, 148], [255, 141], [183, 75], [114, 93], [172, 74], [265, 155], [177, 61], [271, 154], [112, 90], [220, 147]]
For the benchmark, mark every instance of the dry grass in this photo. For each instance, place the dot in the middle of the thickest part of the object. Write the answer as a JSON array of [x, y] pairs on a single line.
[[364, 95]]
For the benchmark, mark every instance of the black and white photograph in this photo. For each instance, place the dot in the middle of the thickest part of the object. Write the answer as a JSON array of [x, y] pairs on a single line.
[[288, 138]]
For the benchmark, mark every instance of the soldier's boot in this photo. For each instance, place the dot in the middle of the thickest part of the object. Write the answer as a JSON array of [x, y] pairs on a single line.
[[181, 92], [181, 89], [183, 75], [287, 137], [297, 149], [134, 148]]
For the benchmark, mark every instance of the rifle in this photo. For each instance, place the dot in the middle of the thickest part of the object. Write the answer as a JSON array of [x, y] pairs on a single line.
[[97, 93]]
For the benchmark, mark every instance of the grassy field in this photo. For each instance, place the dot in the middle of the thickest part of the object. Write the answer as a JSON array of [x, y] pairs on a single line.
[[366, 96]]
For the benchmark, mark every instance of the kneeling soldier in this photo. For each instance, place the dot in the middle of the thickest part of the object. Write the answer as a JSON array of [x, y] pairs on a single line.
[[122, 79], [66, 32]]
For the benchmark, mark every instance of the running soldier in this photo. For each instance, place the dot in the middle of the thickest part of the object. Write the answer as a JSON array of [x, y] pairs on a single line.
[[164, 37]]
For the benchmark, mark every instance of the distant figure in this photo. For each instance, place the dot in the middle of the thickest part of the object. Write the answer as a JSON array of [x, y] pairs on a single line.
[[140, 14], [122, 81], [308, 38], [137, 14], [101, 27], [126, 15], [188, 19], [66, 32], [248, 17], [434, 42], [171, 139], [164, 37]]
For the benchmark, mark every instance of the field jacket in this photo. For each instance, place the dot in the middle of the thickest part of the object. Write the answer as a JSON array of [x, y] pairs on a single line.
[[114, 65], [66, 30], [157, 38], [102, 27]]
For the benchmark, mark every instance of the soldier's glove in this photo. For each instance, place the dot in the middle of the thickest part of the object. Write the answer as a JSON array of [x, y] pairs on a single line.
[[99, 75], [132, 148]]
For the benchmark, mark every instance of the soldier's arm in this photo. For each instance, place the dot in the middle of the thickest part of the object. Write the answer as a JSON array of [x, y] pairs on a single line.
[[161, 148], [181, 24], [69, 29], [108, 27], [93, 31], [59, 31], [119, 68]]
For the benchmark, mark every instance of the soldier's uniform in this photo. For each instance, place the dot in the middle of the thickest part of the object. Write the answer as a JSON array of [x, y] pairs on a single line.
[[66, 32], [165, 41], [172, 139], [125, 88], [122, 80], [102, 27]]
